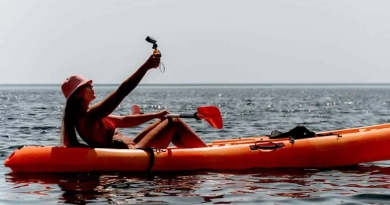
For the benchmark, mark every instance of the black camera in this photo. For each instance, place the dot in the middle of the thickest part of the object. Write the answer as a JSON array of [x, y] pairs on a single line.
[[152, 41]]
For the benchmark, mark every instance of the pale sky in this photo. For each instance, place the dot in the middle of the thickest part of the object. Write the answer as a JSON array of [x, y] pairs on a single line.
[[202, 41]]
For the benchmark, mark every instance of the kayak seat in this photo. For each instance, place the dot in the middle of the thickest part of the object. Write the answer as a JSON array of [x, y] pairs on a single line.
[[118, 144], [115, 144]]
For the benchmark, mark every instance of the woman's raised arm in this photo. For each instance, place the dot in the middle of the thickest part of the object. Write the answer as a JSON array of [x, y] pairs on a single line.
[[109, 104]]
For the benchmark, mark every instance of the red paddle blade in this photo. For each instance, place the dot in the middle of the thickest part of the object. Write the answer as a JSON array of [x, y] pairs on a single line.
[[212, 115]]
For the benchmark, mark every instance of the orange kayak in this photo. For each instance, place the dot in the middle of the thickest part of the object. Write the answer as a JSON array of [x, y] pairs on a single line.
[[331, 149]]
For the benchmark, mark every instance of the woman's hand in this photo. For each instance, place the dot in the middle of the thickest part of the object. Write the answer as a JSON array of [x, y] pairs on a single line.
[[153, 61], [162, 114]]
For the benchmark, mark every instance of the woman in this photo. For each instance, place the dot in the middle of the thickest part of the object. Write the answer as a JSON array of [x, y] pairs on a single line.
[[97, 127]]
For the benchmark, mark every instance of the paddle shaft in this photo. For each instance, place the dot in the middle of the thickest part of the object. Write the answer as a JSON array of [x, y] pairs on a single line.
[[210, 114], [195, 115]]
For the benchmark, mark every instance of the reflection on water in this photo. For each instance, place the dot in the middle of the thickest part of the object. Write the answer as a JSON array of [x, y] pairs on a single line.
[[201, 187]]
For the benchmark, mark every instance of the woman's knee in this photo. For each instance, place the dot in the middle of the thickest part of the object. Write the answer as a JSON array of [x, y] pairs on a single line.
[[158, 121], [169, 121], [175, 120]]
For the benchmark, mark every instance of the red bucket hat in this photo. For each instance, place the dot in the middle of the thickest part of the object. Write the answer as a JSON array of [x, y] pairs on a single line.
[[70, 85]]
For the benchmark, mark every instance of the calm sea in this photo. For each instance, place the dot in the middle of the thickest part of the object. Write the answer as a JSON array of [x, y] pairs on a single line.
[[30, 115]]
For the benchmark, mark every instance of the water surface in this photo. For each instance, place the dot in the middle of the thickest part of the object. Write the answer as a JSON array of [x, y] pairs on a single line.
[[31, 115]]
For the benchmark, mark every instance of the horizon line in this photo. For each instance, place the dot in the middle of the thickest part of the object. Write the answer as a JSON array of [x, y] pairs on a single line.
[[195, 84]]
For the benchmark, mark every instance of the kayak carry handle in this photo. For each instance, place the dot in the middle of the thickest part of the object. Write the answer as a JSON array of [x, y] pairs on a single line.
[[266, 145]]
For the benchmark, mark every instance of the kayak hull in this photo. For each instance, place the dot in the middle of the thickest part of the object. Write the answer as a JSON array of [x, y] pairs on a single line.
[[339, 148]]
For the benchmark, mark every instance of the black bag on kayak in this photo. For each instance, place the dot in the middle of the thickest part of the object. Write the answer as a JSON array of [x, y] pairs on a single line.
[[298, 132]]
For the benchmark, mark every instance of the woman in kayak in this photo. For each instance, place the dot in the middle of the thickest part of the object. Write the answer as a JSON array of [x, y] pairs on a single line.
[[97, 127]]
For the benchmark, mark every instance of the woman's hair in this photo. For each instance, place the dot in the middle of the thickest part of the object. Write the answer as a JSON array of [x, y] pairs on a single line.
[[68, 126]]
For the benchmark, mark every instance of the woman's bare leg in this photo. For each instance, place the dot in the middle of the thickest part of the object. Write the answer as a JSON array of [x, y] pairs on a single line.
[[145, 131], [186, 137], [136, 110], [158, 136], [169, 130]]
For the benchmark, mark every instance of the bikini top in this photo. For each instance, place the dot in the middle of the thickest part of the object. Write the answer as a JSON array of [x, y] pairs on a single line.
[[108, 124], [110, 127]]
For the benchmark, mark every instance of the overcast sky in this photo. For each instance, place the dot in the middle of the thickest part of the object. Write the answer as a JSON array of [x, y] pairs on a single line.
[[202, 41]]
